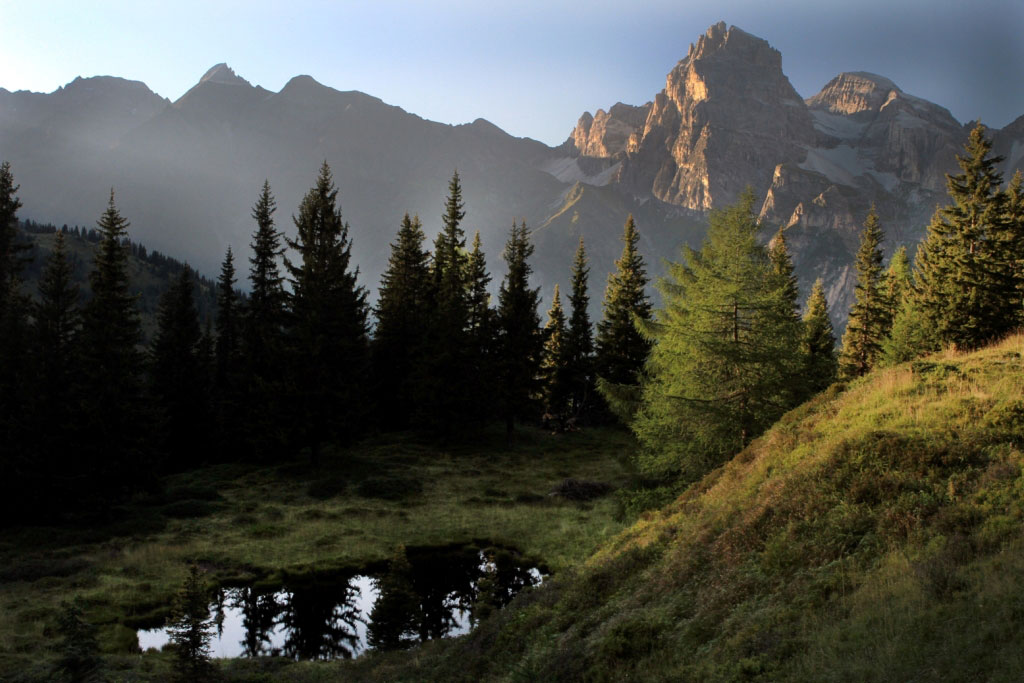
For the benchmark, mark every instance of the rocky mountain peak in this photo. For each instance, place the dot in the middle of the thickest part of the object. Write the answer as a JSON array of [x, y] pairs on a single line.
[[224, 74], [853, 93]]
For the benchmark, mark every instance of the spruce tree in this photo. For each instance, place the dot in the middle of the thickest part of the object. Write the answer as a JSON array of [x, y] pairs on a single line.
[[14, 384], [521, 341], [262, 343], [555, 365], [782, 263], [725, 353], [869, 322], [481, 333], [819, 343], [327, 329], [403, 311], [897, 285], [967, 275], [112, 364], [228, 375], [55, 330], [178, 374], [441, 387], [621, 349], [579, 338]]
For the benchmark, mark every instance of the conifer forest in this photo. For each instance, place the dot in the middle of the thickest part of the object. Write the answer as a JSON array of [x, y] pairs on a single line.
[[710, 482]]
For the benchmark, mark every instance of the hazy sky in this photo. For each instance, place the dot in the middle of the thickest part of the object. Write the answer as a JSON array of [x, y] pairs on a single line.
[[530, 67]]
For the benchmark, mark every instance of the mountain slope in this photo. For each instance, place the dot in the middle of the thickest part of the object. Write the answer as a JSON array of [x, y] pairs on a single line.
[[872, 534]]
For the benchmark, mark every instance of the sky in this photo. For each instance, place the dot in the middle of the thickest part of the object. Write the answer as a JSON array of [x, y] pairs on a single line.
[[530, 67]]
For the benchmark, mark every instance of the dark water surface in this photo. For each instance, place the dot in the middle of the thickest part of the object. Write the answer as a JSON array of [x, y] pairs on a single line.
[[423, 593]]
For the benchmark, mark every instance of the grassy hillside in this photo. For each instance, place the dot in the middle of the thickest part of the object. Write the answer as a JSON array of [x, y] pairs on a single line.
[[873, 534]]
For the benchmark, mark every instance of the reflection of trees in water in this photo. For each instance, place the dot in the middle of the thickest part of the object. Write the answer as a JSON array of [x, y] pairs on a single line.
[[260, 610], [422, 591], [320, 622], [423, 595]]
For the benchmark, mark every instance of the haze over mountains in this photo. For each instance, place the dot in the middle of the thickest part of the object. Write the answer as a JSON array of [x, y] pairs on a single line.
[[187, 172]]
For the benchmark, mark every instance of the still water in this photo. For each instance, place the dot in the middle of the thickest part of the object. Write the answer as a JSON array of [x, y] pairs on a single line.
[[423, 594]]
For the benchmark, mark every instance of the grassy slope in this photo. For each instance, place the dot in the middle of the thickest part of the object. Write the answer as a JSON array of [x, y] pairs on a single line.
[[872, 534], [265, 523]]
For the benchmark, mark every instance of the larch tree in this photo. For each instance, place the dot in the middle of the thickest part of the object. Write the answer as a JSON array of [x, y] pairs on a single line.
[[726, 350], [869, 322]]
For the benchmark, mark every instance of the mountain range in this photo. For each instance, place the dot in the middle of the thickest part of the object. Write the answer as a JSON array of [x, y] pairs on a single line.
[[187, 172]]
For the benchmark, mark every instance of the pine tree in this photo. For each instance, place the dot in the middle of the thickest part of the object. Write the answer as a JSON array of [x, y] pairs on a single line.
[[328, 330], [262, 344], [1015, 231], [112, 364], [177, 372], [403, 312], [79, 656], [819, 343], [441, 388], [521, 342], [555, 365], [228, 375], [725, 353], [869, 320], [966, 269], [621, 349], [579, 338]]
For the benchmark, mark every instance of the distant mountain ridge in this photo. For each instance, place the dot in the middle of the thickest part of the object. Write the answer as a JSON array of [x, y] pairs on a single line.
[[187, 172]]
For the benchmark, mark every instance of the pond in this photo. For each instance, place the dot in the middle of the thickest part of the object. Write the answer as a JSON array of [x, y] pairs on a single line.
[[423, 594]]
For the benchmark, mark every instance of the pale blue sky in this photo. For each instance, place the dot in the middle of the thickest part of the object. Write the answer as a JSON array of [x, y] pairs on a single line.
[[530, 67]]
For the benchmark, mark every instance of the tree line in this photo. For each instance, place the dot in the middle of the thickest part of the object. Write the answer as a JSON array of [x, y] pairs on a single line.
[[730, 354], [90, 413]]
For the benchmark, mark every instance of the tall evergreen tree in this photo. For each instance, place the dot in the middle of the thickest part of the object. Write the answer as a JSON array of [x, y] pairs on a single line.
[[621, 349], [441, 388], [228, 375], [726, 350], [56, 325], [897, 285], [328, 329], [778, 252], [262, 333], [481, 333], [403, 312], [579, 338], [966, 269], [869, 320], [179, 385], [14, 389], [555, 364], [819, 343], [521, 341], [112, 364]]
